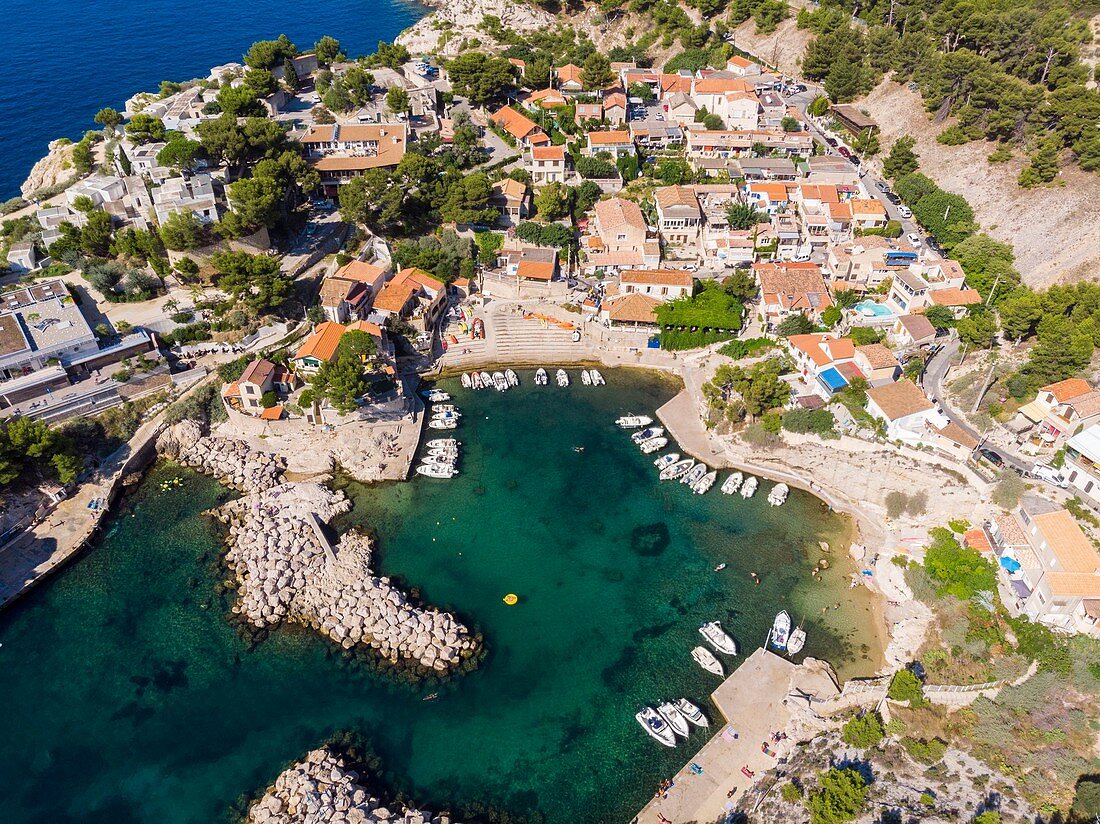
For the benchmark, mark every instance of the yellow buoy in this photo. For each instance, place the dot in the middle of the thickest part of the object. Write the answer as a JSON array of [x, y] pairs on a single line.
[[511, 599]]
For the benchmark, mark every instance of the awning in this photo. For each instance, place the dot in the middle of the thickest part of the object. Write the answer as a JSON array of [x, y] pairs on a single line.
[[1020, 588], [832, 379], [1033, 411]]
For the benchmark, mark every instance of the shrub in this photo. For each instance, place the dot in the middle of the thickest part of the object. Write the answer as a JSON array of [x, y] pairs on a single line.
[[123, 375], [960, 571], [268, 400], [863, 731], [819, 422], [791, 793], [988, 817], [905, 686], [928, 752], [738, 349], [840, 797]]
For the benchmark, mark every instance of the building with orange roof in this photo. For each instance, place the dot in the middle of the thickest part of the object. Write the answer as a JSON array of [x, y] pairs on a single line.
[[523, 129], [346, 294], [619, 224], [545, 164], [825, 362], [1061, 409], [789, 288], [318, 348], [513, 199], [768, 197], [536, 263], [259, 378], [570, 78], [632, 311], [662, 284], [868, 213], [614, 106], [905, 410], [415, 297], [742, 67], [616, 142], [672, 83], [545, 99], [341, 151], [587, 113], [1053, 578]]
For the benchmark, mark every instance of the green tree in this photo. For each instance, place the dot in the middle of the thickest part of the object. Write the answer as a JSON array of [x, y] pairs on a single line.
[[182, 231], [905, 686], [902, 160], [940, 317], [397, 100], [239, 101], [108, 118], [179, 153], [961, 571], [863, 730], [988, 817], [257, 280], [467, 201], [83, 158], [831, 316], [672, 171], [596, 73], [552, 201], [328, 51], [144, 128], [1044, 164], [977, 330], [267, 54], [1020, 314], [741, 285], [794, 324], [256, 201], [95, 235], [839, 798], [818, 107], [479, 77], [790, 124], [261, 82], [744, 216]]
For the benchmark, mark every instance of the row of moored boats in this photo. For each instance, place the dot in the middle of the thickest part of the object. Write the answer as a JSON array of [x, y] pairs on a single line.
[[441, 459], [500, 381]]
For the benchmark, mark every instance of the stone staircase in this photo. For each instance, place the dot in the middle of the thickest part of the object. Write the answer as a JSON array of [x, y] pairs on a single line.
[[511, 338]]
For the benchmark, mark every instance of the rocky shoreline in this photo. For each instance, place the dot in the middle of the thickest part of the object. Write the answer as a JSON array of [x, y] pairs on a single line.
[[287, 569], [324, 788]]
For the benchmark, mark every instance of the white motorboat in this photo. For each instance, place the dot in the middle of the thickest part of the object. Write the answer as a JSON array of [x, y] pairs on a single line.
[[586, 379], [540, 377], [435, 396], [475, 380], [562, 377], [486, 380], [717, 638], [695, 474], [633, 421], [444, 407], [703, 485], [647, 433], [465, 380], [444, 442], [677, 469], [440, 423], [441, 456], [781, 631], [778, 494], [797, 641], [691, 712], [705, 658], [511, 377], [656, 726], [434, 470], [446, 416], [675, 718], [749, 487], [732, 483], [597, 378], [666, 460], [653, 445], [500, 382]]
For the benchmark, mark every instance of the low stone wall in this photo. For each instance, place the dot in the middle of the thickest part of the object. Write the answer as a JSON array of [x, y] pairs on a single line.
[[321, 787]]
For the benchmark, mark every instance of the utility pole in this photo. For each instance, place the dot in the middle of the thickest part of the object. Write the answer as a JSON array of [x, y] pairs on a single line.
[[984, 387], [989, 299]]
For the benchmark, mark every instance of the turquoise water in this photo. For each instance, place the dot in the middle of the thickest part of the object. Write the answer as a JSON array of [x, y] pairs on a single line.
[[127, 696]]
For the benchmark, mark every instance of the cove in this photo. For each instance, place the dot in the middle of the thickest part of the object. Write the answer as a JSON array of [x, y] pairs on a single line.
[[128, 696]]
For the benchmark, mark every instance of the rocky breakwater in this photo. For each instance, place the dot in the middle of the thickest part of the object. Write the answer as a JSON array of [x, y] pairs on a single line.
[[322, 788], [232, 462]]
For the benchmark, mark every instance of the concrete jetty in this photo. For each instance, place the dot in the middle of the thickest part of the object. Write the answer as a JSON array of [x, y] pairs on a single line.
[[759, 698]]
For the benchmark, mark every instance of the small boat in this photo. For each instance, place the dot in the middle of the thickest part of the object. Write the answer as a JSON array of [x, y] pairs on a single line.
[[586, 379], [656, 726], [717, 638], [433, 470], [446, 416], [633, 421], [540, 377], [666, 460], [440, 423], [578, 449], [486, 380], [465, 380], [444, 407], [441, 456], [647, 433], [652, 445], [431, 696], [703, 485], [677, 469], [778, 494], [781, 630], [691, 712], [500, 382], [797, 641], [695, 474], [705, 658], [475, 381], [511, 377], [442, 442], [732, 483], [435, 396], [749, 489], [674, 718], [720, 567], [597, 378], [479, 328], [562, 377]]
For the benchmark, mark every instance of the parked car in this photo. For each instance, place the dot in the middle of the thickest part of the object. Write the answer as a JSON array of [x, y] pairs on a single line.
[[842, 149], [904, 211], [893, 198], [882, 186], [914, 240], [855, 162], [992, 457], [1049, 474], [831, 141]]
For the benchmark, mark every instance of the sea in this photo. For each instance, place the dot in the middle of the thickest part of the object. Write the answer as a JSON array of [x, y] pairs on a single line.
[[129, 696], [67, 59]]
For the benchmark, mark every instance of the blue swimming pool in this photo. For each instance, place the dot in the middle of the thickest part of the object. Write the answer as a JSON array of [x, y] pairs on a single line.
[[869, 308]]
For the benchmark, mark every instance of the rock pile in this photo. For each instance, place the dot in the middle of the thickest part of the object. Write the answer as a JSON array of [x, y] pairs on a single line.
[[322, 788], [232, 462], [287, 569]]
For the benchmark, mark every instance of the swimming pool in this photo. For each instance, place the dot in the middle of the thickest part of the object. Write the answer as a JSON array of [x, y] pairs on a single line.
[[868, 308]]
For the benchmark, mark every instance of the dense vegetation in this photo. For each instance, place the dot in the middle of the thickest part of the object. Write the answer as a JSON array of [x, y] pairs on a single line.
[[1006, 70], [710, 315]]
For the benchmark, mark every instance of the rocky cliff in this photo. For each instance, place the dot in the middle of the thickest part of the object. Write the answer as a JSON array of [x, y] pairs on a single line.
[[56, 167], [453, 22]]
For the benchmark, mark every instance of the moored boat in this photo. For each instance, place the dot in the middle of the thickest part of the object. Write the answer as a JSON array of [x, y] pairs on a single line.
[[703, 485], [691, 712], [797, 641], [652, 445], [666, 460], [695, 474], [465, 380], [511, 377], [586, 379], [647, 433], [705, 658], [562, 377], [486, 380], [656, 726], [677, 469], [444, 407], [778, 494], [732, 483], [435, 395], [443, 442], [441, 423], [749, 487], [434, 470], [781, 630], [499, 381], [540, 377], [717, 638], [633, 421], [597, 378], [674, 717], [475, 381]]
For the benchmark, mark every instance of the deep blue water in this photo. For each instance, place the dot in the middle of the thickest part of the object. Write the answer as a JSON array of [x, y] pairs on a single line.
[[69, 58]]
